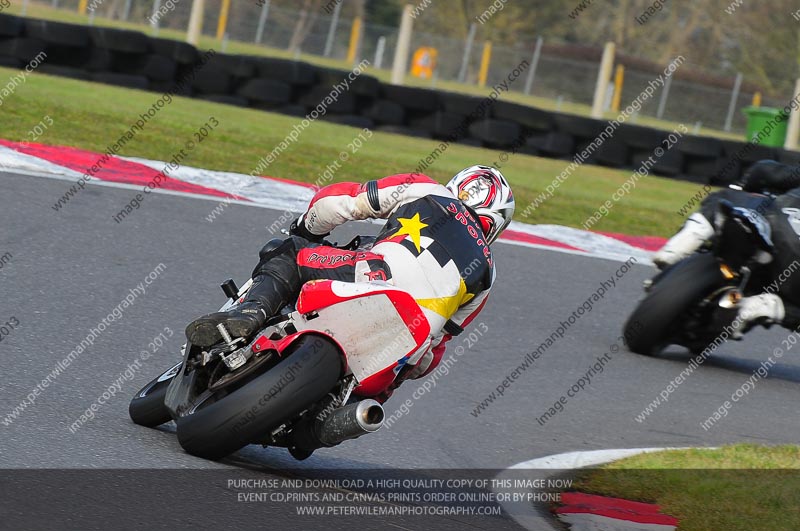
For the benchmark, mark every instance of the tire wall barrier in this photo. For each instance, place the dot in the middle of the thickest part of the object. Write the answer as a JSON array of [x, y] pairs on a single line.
[[134, 60]]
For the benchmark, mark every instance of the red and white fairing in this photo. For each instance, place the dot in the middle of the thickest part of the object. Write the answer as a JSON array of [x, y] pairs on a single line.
[[377, 327]]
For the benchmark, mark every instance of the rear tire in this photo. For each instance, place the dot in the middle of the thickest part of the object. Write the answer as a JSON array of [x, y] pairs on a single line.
[[218, 428], [651, 324]]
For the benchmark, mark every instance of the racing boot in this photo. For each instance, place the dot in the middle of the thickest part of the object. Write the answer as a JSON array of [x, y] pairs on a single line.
[[763, 309], [694, 233], [265, 299]]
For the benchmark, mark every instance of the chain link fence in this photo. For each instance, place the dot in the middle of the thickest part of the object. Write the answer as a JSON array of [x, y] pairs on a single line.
[[562, 78]]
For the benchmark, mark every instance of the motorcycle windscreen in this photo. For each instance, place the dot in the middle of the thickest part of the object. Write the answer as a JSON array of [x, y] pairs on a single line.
[[370, 328]]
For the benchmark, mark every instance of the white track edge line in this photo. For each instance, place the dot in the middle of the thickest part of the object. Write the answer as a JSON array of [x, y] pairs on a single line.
[[536, 518]]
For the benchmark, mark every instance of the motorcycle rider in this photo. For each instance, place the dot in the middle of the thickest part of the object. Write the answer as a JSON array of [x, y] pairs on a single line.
[[781, 208], [434, 245]]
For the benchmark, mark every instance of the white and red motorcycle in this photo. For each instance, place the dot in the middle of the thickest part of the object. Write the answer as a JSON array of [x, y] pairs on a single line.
[[302, 383]]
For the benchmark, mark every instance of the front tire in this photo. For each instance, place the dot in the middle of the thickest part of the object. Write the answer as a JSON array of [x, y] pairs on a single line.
[[226, 423], [650, 327], [147, 407]]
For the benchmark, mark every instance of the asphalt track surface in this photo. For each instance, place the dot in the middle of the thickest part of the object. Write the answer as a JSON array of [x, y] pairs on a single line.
[[70, 268]]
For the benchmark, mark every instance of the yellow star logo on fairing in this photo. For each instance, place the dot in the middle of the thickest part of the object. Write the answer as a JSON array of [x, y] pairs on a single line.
[[411, 227]]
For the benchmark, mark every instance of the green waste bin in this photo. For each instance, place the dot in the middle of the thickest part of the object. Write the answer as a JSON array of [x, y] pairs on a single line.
[[769, 122]]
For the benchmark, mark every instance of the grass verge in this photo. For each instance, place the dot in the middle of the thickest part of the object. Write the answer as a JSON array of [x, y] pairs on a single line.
[[741, 487], [91, 116]]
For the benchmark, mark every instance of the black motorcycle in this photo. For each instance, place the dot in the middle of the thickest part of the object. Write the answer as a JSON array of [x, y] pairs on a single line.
[[694, 302]]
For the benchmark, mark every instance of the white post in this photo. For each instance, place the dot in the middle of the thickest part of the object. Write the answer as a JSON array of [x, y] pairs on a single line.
[[662, 103], [195, 22], [24, 8], [332, 30], [732, 105], [793, 128], [126, 12], [537, 52], [462, 72], [154, 20], [379, 49], [609, 96], [603, 79], [262, 21], [403, 45]]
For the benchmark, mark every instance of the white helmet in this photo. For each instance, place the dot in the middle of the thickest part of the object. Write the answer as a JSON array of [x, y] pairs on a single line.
[[486, 191]]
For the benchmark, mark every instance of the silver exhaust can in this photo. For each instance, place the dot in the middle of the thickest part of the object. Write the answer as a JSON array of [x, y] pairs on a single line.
[[350, 422]]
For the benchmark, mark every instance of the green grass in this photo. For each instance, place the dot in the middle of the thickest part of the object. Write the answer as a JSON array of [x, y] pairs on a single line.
[[741, 487], [91, 116], [45, 11]]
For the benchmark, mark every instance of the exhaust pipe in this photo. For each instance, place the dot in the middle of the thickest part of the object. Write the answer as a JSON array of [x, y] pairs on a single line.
[[349, 422]]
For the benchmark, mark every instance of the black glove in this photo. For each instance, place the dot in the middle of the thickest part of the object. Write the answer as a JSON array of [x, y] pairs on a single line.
[[298, 228]]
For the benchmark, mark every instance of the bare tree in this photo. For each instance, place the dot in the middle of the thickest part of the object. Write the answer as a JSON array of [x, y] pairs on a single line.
[[308, 17]]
